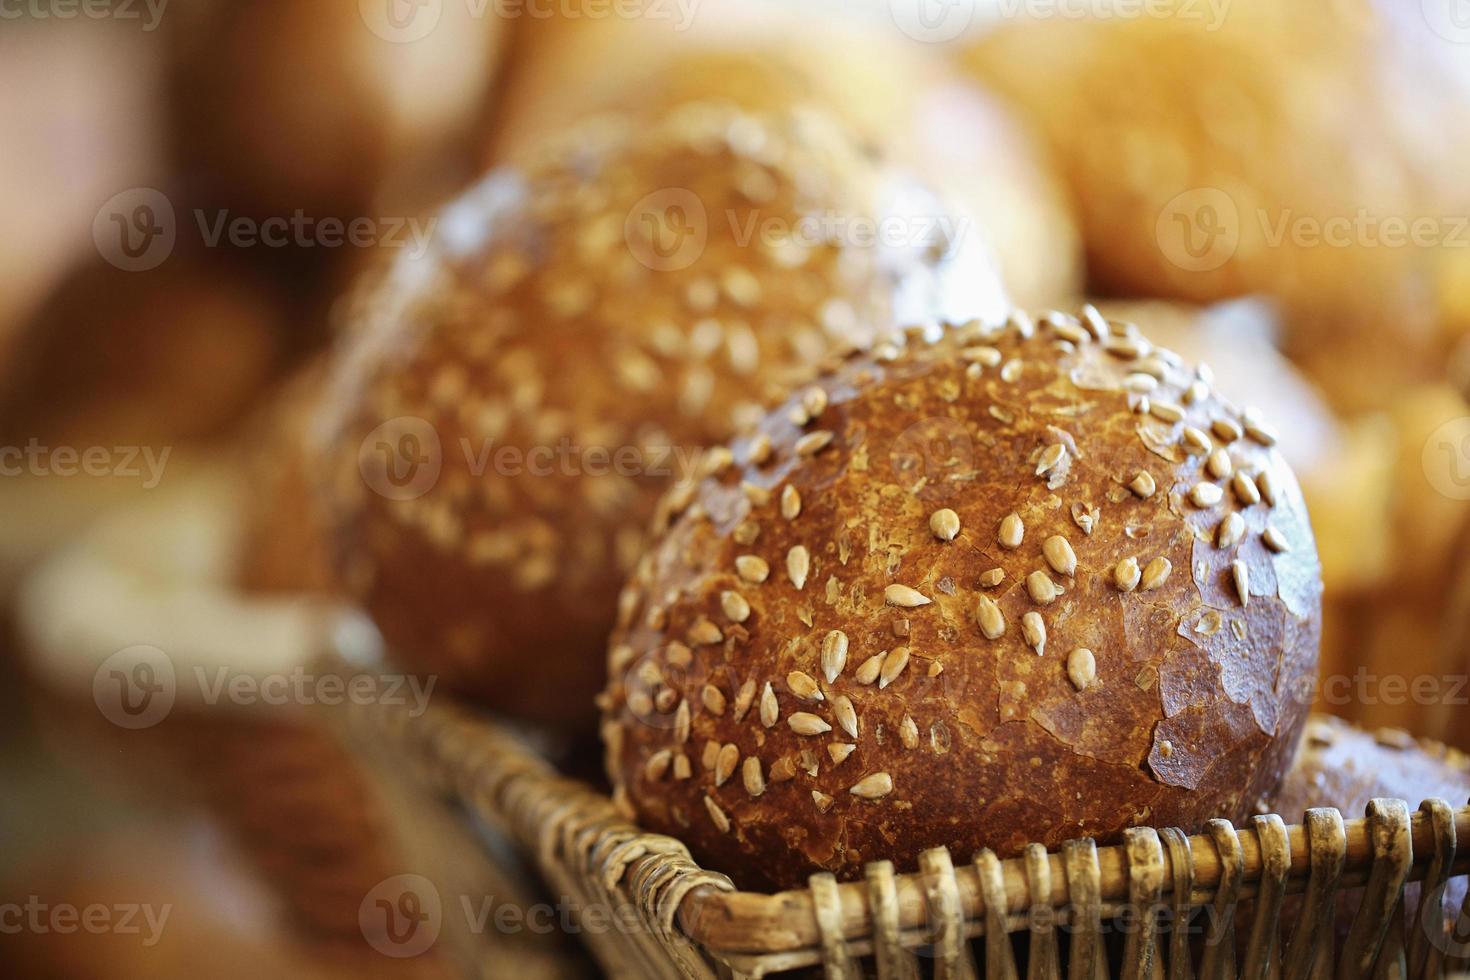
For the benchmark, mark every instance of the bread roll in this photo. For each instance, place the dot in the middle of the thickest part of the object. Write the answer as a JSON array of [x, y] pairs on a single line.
[[1214, 159], [766, 56], [1008, 587], [500, 421]]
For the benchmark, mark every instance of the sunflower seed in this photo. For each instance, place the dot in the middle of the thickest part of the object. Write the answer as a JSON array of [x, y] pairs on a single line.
[[711, 756], [1225, 430], [770, 710], [681, 723], [1232, 529], [1205, 495], [992, 621], [1143, 485], [1257, 429], [990, 579], [1197, 392], [1071, 333], [1059, 555], [868, 672], [803, 686], [705, 633], [1095, 322], [1012, 531], [902, 595], [834, 654], [759, 450], [1140, 383], [873, 787], [1051, 458], [798, 564], [846, 715], [803, 723], [1011, 372], [1126, 574], [783, 770], [790, 502], [908, 733], [945, 524], [1042, 589], [717, 815], [893, 665], [1033, 628], [822, 800], [1155, 574], [1219, 465], [1245, 488], [1166, 412], [725, 764], [734, 606], [752, 569], [1020, 321], [814, 400], [1081, 668], [1195, 442], [983, 355], [758, 495], [713, 699], [658, 765], [813, 442], [1266, 483], [1275, 540], [1241, 576], [682, 768], [839, 751]]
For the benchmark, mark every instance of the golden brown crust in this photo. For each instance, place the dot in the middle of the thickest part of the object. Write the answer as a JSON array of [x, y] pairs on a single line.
[[946, 492], [580, 325]]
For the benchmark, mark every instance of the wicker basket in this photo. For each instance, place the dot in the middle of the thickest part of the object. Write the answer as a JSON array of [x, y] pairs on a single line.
[[1329, 898]]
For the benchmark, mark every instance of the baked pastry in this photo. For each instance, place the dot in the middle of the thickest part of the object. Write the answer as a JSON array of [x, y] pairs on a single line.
[[1022, 584], [770, 56], [499, 423], [1212, 159]]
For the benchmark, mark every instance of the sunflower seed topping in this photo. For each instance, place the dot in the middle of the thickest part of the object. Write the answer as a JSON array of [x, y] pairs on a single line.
[[905, 597], [798, 564], [682, 768], [1051, 458], [945, 524], [1042, 589], [658, 765], [803, 686], [822, 800], [751, 776], [813, 442], [834, 654], [873, 787], [752, 569], [717, 815], [1275, 540], [1206, 495], [725, 763], [744, 698], [1166, 411], [893, 665], [868, 672], [713, 699], [1219, 465], [1081, 668], [845, 714], [1266, 483], [814, 400], [1059, 555], [1195, 442], [1225, 430], [1012, 531], [705, 633], [790, 502], [1126, 574], [770, 710], [760, 450], [734, 606], [1143, 485], [991, 578], [1245, 488], [1155, 574], [804, 723], [992, 621], [681, 723], [839, 751], [1232, 529], [1241, 576], [1033, 628]]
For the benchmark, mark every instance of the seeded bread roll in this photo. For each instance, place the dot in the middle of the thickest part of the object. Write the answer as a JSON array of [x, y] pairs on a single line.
[[1024, 584], [1213, 155], [508, 407]]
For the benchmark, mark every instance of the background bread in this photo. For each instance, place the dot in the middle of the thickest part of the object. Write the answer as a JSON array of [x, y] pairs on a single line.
[[802, 677], [767, 56], [1282, 160], [631, 294]]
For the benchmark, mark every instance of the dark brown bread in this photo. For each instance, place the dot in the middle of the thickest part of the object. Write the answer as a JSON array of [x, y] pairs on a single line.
[[635, 291], [802, 677]]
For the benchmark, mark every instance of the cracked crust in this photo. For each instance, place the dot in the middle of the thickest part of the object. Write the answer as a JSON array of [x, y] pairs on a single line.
[[900, 685], [561, 365]]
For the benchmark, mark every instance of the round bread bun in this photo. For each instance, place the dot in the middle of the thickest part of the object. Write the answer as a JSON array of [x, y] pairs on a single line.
[[870, 640], [1282, 162], [767, 56], [313, 105], [580, 327]]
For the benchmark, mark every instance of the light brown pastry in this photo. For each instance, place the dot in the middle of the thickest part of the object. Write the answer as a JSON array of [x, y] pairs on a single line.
[[764, 56], [1214, 158], [1013, 586], [499, 422]]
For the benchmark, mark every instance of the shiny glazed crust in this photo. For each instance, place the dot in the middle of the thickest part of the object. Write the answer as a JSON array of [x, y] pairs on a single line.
[[893, 618]]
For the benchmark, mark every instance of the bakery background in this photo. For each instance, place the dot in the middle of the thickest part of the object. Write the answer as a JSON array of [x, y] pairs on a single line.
[[195, 189]]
